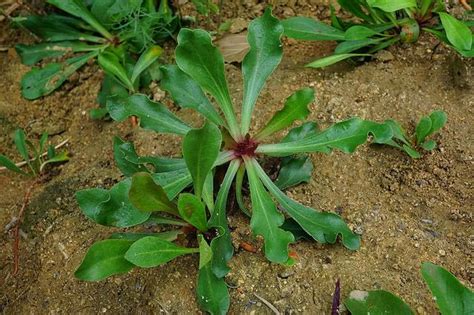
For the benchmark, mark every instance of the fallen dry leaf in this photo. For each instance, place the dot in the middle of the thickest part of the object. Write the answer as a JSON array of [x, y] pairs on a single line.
[[233, 47]]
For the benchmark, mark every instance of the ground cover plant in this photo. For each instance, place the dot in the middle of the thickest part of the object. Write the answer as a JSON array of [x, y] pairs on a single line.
[[450, 295], [155, 190], [113, 32], [379, 24]]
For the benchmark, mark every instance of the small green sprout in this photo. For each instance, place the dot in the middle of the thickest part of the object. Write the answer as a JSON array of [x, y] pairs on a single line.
[[35, 157], [379, 24]]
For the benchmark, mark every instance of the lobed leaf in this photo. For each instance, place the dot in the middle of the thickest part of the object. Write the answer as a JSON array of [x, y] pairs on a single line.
[[450, 295], [262, 59], [200, 151], [104, 259], [146, 195], [376, 302], [187, 93], [324, 227], [295, 108], [304, 28], [153, 116], [202, 61], [266, 219], [153, 251], [301, 132]]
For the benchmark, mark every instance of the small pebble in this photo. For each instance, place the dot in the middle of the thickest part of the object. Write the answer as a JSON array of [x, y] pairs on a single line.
[[442, 252]]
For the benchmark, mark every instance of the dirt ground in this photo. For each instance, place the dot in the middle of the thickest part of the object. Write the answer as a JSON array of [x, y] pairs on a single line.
[[407, 211]]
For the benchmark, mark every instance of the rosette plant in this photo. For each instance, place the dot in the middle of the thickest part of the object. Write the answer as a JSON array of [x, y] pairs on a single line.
[[154, 183]]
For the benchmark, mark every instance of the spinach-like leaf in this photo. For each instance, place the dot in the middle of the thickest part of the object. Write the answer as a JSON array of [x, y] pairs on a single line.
[[458, 34], [211, 292], [173, 182], [262, 59], [376, 302], [104, 259], [193, 211], [293, 171]]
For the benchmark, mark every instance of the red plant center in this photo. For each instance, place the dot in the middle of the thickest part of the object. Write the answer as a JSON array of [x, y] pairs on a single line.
[[245, 147]]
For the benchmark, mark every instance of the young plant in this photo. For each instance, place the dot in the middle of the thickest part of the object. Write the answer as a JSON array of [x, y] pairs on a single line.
[[450, 295], [35, 157], [380, 24], [111, 31], [223, 140]]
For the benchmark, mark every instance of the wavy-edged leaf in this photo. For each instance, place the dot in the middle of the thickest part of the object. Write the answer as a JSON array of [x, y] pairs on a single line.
[[307, 129], [9, 164], [458, 34], [40, 82], [295, 108], [78, 9], [205, 252], [146, 195], [200, 151], [392, 5], [110, 62], [153, 115], [376, 302], [146, 59], [451, 296], [55, 28], [330, 60], [203, 62], [222, 244], [111, 207], [345, 136], [173, 182], [324, 227], [104, 259], [193, 211], [32, 54], [211, 292], [305, 28], [187, 93], [266, 219], [294, 171], [153, 251], [262, 59]]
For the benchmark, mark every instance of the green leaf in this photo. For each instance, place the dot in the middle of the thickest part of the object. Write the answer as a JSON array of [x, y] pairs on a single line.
[[354, 7], [145, 60], [126, 158], [266, 219], [146, 195], [20, 143], [304, 28], [459, 34], [32, 54], [111, 64], [211, 292], [111, 207], [329, 60], [205, 252], [423, 129], [296, 108], [345, 136], [399, 136], [451, 296], [78, 9], [104, 259], [358, 32], [352, 45], [109, 87], [208, 191], [429, 145], [376, 302], [293, 171], [169, 236], [438, 120], [193, 211], [40, 82], [200, 151], [203, 62], [58, 158], [239, 179], [153, 251], [324, 227], [153, 116], [301, 132], [109, 12], [173, 182], [9, 164], [392, 5], [187, 93], [222, 244], [262, 59]]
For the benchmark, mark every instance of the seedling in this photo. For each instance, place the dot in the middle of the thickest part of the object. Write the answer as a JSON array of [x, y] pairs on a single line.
[[113, 32], [450, 295], [380, 24], [223, 140]]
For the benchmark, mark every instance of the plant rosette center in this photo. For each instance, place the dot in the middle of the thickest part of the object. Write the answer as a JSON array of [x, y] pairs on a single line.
[[245, 147]]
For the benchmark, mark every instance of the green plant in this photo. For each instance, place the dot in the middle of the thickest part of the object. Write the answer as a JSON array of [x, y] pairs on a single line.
[[113, 32], [450, 295], [35, 157], [200, 69], [380, 24]]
